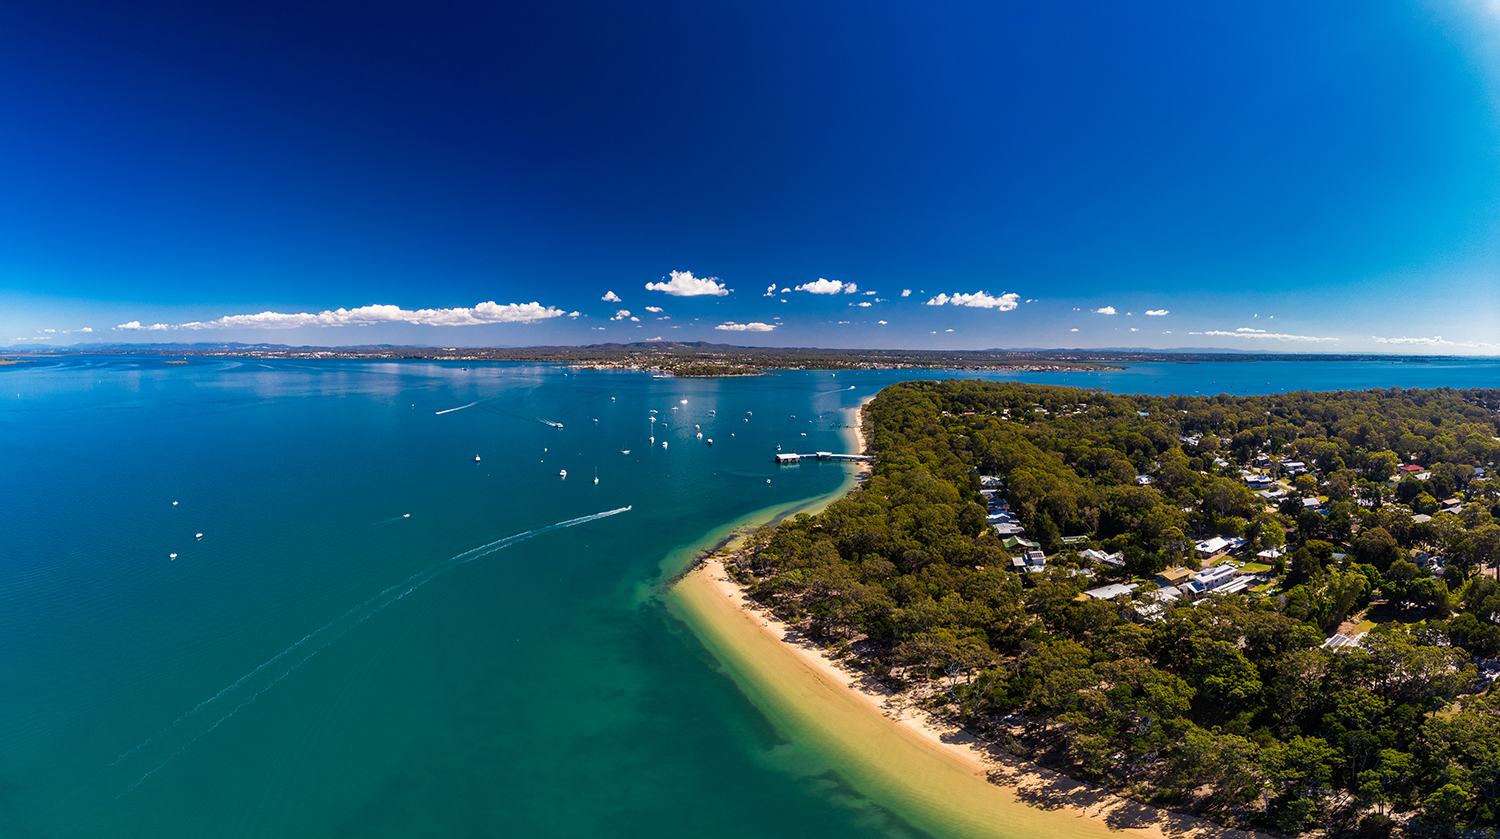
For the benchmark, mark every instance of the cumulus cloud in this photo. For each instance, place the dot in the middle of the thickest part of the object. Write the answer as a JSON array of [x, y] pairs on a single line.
[[881, 322], [1133, 329], [823, 286], [621, 314], [905, 292], [85, 329], [1434, 341], [1156, 313], [1106, 310], [50, 331], [684, 284], [770, 291], [1074, 329], [1248, 329], [865, 304], [655, 310], [785, 290], [610, 297], [869, 293], [754, 326], [1244, 332], [1030, 300], [489, 312], [978, 300]]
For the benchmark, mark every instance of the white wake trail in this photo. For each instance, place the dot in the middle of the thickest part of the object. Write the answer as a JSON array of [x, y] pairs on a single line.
[[187, 729], [459, 408]]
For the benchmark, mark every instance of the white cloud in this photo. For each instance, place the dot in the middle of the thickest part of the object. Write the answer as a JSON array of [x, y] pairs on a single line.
[[905, 292], [1248, 329], [754, 326], [1133, 329], [823, 286], [657, 338], [1156, 313], [573, 314], [610, 297], [881, 322], [684, 284], [1434, 341], [635, 320], [770, 291], [85, 329], [1074, 329], [489, 312], [621, 314], [978, 300], [655, 310], [1276, 336], [785, 290], [868, 293], [947, 330], [1168, 332], [1107, 310], [863, 304], [49, 331]]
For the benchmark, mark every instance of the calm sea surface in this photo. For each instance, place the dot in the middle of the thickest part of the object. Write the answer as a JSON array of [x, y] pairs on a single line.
[[377, 635]]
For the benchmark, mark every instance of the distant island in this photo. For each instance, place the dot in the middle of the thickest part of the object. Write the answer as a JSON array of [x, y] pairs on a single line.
[[1274, 611], [701, 358]]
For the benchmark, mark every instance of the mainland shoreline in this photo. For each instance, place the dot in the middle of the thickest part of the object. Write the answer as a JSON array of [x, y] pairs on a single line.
[[937, 775]]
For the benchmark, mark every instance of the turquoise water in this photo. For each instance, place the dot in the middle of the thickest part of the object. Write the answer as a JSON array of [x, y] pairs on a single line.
[[378, 636]]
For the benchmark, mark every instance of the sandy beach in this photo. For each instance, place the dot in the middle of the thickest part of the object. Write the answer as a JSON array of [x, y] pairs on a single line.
[[933, 774]]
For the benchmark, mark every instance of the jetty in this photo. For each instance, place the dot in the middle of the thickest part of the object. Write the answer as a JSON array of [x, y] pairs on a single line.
[[787, 458]]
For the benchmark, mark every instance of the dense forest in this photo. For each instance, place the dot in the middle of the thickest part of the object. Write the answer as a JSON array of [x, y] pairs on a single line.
[[1379, 527]]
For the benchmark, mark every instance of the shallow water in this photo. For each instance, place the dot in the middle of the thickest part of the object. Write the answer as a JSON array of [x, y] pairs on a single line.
[[322, 664]]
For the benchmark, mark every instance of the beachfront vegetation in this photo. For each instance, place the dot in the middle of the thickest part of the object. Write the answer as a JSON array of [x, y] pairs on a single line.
[[1349, 688]]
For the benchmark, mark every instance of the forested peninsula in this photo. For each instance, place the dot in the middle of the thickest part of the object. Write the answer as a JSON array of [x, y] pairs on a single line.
[[1276, 611]]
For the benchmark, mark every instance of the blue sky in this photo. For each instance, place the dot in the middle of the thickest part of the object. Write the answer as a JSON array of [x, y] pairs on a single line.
[[1289, 176]]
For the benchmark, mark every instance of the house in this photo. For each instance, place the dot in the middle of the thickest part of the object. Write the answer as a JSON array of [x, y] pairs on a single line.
[[1116, 559], [1214, 576], [1008, 528], [1311, 503], [1294, 467], [1035, 558], [1209, 547], [1075, 540], [1423, 476], [1421, 518], [1143, 480], [1013, 542], [1110, 592], [1409, 469], [1255, 481], [1271, 554], [1173, 576]]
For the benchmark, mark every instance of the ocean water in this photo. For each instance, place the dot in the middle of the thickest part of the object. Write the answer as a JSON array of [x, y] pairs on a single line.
[[378, 636]]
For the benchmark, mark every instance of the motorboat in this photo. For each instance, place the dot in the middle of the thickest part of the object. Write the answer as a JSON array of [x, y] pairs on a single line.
[[562, 473]]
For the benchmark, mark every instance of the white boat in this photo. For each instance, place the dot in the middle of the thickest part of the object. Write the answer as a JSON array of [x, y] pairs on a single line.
[[406, 515], [476, 458], [174, 503], [624, 451], [700, 435], [173, 556], [596, 474], [684, 401], [198, 536], [664, 444], [709, 441], [562, 473]]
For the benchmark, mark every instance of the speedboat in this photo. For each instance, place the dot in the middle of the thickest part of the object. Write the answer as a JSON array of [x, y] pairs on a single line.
[[406, 515], [709, 441], [198, 536], [173, 556], [476, 458], [624, 451], [562, 473]]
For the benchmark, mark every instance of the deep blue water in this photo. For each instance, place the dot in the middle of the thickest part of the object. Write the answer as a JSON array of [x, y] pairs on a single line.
[[329, 661]]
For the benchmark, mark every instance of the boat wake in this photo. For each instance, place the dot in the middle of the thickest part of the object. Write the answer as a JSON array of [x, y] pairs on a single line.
[[159, 750], [459, 408]]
